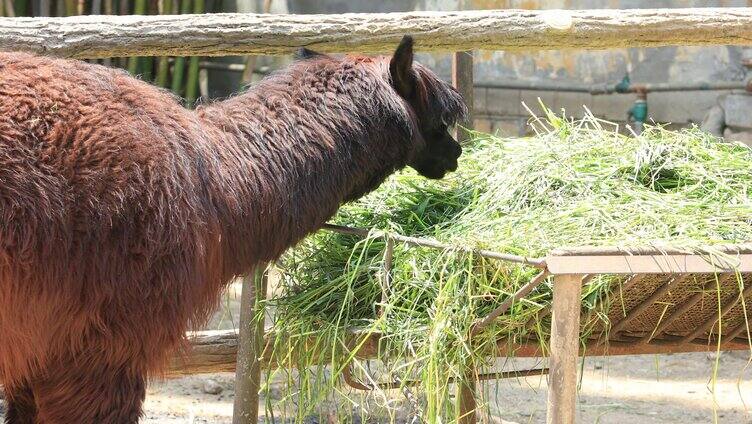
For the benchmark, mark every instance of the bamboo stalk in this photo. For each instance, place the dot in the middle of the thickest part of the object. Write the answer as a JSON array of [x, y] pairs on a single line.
[[163, 65], [124, 8], [21, 7], [191, 88], [7, 8], [109, 9], [71, 7], [139, 8], [41, 8], [178, 69]]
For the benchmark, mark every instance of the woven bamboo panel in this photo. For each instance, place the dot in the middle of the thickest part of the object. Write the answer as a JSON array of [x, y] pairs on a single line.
[[631, 309]]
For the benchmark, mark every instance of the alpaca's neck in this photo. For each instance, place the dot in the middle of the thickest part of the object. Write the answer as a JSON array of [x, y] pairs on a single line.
[[288, 159]]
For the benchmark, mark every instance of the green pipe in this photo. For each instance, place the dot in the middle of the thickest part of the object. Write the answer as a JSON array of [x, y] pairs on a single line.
[[639, 112], [623, 85], [179, 68], [191, 90]]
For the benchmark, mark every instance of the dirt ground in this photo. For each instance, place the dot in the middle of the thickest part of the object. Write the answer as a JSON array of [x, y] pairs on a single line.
[[628, 389]]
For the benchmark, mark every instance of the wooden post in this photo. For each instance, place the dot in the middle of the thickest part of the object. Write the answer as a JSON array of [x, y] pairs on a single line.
[[250, 345], [565, 340], [462, 79], [466, 404]]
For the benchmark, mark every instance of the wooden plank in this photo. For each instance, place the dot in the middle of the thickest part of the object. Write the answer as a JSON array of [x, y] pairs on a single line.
[[728, 339], [462, 79], [646, 264], [208, 352], [658, 249], [216, 351], [226, 34], [250, 348], [565, 338]]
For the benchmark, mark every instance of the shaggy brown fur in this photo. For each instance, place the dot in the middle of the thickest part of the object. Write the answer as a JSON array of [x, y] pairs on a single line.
[[124, 215]]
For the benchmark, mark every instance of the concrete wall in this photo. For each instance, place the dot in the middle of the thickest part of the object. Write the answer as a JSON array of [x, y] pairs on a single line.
[[502, 109]]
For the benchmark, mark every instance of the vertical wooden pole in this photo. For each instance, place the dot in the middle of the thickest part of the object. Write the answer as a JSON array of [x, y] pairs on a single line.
[[565, 342], [466, 404], [462, 79], [250, 345]]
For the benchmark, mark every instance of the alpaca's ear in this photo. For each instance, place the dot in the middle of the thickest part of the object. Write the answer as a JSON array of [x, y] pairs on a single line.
[[304, 53], [401, 68]]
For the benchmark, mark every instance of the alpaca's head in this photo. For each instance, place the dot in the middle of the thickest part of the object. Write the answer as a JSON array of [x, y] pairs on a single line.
[[436, 107]]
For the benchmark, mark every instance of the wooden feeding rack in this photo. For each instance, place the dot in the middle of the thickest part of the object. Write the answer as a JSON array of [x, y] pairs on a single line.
[[668, 303], [669, 300]]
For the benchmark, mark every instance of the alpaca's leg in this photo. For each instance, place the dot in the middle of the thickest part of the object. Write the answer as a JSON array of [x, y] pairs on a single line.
[[21, 408], [89, 393]]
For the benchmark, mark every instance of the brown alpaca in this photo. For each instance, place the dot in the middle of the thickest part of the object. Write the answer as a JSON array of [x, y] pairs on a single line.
[[124, 215]]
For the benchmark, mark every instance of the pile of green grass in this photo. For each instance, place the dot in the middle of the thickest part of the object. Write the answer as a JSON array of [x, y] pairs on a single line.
[[577, 183]]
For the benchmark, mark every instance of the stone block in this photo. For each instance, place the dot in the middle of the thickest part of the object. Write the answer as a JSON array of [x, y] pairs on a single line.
[[479, 100], [681, 107], [613, 107], [503, 102], [738, 108], [573, 104], [533, 99], [508, 127], [483, 125]]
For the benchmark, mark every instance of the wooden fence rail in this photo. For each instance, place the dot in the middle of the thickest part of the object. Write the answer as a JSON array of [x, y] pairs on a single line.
[[216, 351], [241, 34]]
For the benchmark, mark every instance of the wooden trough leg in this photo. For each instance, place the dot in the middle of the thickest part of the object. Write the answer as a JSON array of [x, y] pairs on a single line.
[[565, 340], [250, 345], [466, 399]]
